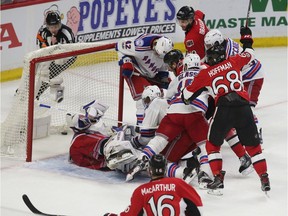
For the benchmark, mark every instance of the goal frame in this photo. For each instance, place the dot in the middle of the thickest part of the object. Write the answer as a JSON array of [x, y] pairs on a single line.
[[35, 61]]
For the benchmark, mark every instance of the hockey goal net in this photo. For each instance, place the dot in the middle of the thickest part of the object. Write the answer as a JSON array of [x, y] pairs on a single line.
[[81, 72]]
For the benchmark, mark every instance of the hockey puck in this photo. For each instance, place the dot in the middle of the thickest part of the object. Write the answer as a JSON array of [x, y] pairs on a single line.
[[64, 132]]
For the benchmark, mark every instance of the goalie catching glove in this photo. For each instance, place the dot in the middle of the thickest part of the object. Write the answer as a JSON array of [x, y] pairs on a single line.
[[94, 110]]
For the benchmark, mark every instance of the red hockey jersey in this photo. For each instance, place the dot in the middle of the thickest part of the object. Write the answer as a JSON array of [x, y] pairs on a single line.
[[223, 78], [165, 196], [194, 38]]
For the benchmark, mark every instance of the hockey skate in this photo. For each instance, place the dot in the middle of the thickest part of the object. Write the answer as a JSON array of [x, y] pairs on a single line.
[[216, 187], [203, 180], [246, 166], [265, 183]]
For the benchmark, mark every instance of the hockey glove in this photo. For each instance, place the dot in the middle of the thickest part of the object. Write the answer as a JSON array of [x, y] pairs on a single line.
[[246, 37], [127, 67], [140, 165], [94, 114]]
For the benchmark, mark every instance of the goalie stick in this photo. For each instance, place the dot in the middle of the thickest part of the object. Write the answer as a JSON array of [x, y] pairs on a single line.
[[33, 209]]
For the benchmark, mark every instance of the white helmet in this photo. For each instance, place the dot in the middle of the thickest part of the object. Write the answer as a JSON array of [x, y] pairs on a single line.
[[150, 93], [212, 37], [191, 60], [163, 46]]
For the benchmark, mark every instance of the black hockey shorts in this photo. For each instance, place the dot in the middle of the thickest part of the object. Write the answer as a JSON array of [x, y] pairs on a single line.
[[239, 117]]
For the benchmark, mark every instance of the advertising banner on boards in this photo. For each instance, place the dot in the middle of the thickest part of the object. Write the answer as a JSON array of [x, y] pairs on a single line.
[[109, 20]]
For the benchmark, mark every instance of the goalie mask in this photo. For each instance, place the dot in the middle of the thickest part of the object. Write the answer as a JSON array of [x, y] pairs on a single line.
[[163, 46], [212, 38], [149, 94], [191, 60]]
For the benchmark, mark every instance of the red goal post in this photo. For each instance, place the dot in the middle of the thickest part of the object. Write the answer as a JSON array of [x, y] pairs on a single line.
[[93, 73]]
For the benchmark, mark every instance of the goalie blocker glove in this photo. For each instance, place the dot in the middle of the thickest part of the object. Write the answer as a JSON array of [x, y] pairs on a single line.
[[246, 37]]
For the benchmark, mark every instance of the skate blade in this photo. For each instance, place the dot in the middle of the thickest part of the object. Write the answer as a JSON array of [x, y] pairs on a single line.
[[215, 192], [247, 171]]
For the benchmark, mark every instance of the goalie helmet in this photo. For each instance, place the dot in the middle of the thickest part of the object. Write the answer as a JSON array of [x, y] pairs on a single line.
[[215, 54], [150, 93], [53, 18], [163, 46], [157, 165], [191, 60], [212, 38], [173, 56], [185, 13]]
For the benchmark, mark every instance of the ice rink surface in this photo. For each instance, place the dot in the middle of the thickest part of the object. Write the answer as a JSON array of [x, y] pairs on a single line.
[[55, 186]]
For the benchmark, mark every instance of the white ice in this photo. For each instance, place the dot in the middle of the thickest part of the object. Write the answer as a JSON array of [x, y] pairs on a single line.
[[55, 186]]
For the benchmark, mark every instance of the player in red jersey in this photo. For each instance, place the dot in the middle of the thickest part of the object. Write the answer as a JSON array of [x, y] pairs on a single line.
[[195, 29], [174, 59], [163, 196], [223, 81], [252, 74]]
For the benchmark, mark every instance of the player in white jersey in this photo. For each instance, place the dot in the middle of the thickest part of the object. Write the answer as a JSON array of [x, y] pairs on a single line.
[[141, 61], [155, 110], [252, 73], [180, 119]]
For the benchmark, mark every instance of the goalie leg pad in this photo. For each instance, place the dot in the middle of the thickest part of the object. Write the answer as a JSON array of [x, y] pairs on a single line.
[[121, 159], [56, 89]]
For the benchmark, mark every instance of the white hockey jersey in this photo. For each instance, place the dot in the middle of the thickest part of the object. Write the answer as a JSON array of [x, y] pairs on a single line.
[[173, 95], [153, 115], [139, 48], [253, 70]]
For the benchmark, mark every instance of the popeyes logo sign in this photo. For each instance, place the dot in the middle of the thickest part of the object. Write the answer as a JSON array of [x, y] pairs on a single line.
[[8, 34]]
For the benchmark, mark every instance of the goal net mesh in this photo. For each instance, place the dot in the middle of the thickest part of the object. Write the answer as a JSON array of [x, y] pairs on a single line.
[[83, 72]]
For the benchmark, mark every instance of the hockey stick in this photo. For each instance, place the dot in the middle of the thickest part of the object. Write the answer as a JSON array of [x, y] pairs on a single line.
[[33, 209], [248, 13], [67, 111]]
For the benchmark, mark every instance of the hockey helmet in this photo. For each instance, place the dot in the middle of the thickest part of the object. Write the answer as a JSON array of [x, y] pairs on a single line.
[[215, 54], [150, 93], [163, 45], [158, 165], [53, 18], [185, 13], [213, 37], [191, 60], [173, 56]]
